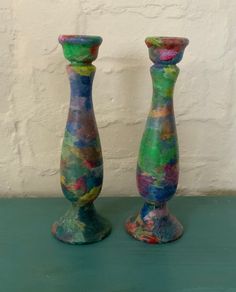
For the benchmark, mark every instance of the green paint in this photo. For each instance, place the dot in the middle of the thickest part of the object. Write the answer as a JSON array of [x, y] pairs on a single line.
[[154, 41], [163, 84], [153, 154], [154, 151], [84, 70], [69, 139], [77, 54]]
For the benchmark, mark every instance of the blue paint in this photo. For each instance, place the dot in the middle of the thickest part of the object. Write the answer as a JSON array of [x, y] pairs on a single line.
[[160, 194], [81, 86]]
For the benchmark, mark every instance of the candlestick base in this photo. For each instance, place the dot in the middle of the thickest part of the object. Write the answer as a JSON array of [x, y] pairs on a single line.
[[81, 225], [154, 224]]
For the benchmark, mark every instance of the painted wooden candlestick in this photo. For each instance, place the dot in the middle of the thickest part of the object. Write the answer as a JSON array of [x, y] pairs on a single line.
[[81, 157], [157, 167]]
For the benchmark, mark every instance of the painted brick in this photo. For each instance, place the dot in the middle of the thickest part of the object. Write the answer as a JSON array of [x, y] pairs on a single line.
[[34, 90]]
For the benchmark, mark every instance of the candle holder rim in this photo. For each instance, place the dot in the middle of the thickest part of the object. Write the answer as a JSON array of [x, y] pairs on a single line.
[[153, 41], [80, 39]]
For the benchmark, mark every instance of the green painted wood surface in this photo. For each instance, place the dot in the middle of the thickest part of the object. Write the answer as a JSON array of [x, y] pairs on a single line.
[[203, 260]]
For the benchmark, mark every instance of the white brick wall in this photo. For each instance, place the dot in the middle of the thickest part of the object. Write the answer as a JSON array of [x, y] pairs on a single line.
[[34, 90]]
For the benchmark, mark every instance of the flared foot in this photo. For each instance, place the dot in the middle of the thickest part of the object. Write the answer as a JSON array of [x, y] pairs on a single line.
[[154, 224], [81, 225]]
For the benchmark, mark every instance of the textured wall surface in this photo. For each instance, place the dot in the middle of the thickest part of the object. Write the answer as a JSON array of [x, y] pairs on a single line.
[[34, 90]]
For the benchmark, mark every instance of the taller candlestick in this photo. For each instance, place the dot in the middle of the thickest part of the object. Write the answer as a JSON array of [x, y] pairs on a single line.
[[157, 168], [81, 157]]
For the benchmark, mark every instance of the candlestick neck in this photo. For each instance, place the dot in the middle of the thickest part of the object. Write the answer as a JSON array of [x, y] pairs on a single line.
[[81, 81], [163, 79]]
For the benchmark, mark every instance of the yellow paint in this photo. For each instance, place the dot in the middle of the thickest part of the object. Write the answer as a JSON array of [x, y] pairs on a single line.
[[89, 197], [75, 151], [63, 180], [84, 70], [157, 42], [170, 70], [81, 225]]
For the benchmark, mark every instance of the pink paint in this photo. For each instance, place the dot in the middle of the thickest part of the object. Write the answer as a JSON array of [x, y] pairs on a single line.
[[167, 55], [80, 184], [171, 174], [144, 182], [90, 164]]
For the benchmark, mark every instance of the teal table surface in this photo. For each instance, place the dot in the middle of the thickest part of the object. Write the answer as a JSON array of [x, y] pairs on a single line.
[[203, 260]]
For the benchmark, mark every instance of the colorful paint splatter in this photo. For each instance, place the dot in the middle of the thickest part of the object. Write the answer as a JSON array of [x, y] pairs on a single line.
[[81, 157], [157, 168]]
